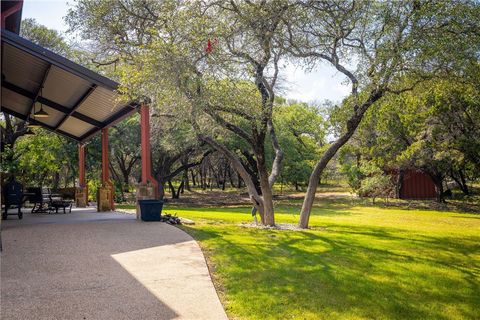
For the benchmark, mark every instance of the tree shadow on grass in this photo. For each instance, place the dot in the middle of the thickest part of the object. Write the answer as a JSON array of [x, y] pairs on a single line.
[[364, 272], [327, 208]]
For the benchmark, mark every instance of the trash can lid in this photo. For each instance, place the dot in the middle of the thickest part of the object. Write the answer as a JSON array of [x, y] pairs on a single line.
[[150, 201]]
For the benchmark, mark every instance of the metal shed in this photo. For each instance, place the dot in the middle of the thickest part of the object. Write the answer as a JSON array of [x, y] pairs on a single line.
[[416, 184]]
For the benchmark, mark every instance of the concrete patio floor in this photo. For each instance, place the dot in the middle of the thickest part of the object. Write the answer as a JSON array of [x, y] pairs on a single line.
[[89, 265]]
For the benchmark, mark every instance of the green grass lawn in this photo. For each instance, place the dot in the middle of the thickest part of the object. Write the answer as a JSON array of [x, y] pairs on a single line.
[[357, 262]]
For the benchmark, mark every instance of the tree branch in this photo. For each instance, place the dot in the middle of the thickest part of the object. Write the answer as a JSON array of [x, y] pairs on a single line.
[[230, 126]]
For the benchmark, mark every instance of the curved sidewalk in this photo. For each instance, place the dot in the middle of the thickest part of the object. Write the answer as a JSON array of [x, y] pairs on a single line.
[[88, 265]]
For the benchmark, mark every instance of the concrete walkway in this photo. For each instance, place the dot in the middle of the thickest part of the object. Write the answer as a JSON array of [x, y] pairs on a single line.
[[88, 265]]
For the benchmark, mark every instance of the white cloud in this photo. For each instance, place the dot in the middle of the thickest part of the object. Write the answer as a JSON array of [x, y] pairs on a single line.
[[320, 84]]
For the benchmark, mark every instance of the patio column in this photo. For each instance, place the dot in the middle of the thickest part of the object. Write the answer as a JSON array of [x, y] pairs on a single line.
[[148, 187], [105, 192], [81, 193], [145, 142]]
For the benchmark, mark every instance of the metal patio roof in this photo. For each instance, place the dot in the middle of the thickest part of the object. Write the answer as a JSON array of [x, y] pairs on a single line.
[[79, 101]]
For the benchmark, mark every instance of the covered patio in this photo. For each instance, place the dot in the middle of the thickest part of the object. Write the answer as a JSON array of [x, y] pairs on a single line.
[[49, 91], [91, 265]]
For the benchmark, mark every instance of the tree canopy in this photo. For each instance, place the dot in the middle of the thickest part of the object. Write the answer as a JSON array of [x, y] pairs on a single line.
[[214, 74]]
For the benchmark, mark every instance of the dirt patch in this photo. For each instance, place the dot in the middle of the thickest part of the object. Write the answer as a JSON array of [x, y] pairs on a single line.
[[211, 198], [237, 198], [278, 226], [318, 195], [241, 198]]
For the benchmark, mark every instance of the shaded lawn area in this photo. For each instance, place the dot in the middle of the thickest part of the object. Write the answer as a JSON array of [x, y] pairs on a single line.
[[357, 262]]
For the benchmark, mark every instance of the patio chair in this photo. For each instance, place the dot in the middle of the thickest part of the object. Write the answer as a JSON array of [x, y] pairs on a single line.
[[40, 197], [44, 201], [13, 196]]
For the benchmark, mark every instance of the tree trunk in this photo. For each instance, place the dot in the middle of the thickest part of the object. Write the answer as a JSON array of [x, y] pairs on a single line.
[[181, 189], [56, 180], [225, 168], [203, 179], [186, 179], [230, 177], [251, 167], [352, 125], [266, 184], [463, 181], [161, 187], [172, 189], [438, 181], [255, 198], [314, 179], [65, 180], [277, 161], [268, 214], [460, 181], [398, 184], [439, 191], [194, 182]]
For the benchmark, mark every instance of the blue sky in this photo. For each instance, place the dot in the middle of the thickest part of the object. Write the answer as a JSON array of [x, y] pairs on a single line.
[[316, 86]]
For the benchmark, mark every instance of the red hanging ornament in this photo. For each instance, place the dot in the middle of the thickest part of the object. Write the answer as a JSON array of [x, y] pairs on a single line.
[[210, 45]]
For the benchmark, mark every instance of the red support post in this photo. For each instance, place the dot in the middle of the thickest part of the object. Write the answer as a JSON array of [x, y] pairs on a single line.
[[81, 192], [146, 152], [105, 173], [81, 166], [105, 167], [145, 141]]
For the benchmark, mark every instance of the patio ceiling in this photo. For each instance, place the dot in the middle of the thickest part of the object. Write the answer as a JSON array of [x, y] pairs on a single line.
[[79, 101]]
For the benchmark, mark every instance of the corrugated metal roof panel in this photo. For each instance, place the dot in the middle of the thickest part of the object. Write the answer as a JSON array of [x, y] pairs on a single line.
[[63, 87], [100, 105], [75, 126], [22, 69], [15, 101]]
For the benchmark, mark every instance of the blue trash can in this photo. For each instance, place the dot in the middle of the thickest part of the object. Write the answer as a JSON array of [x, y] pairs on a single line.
[[150, 210]]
